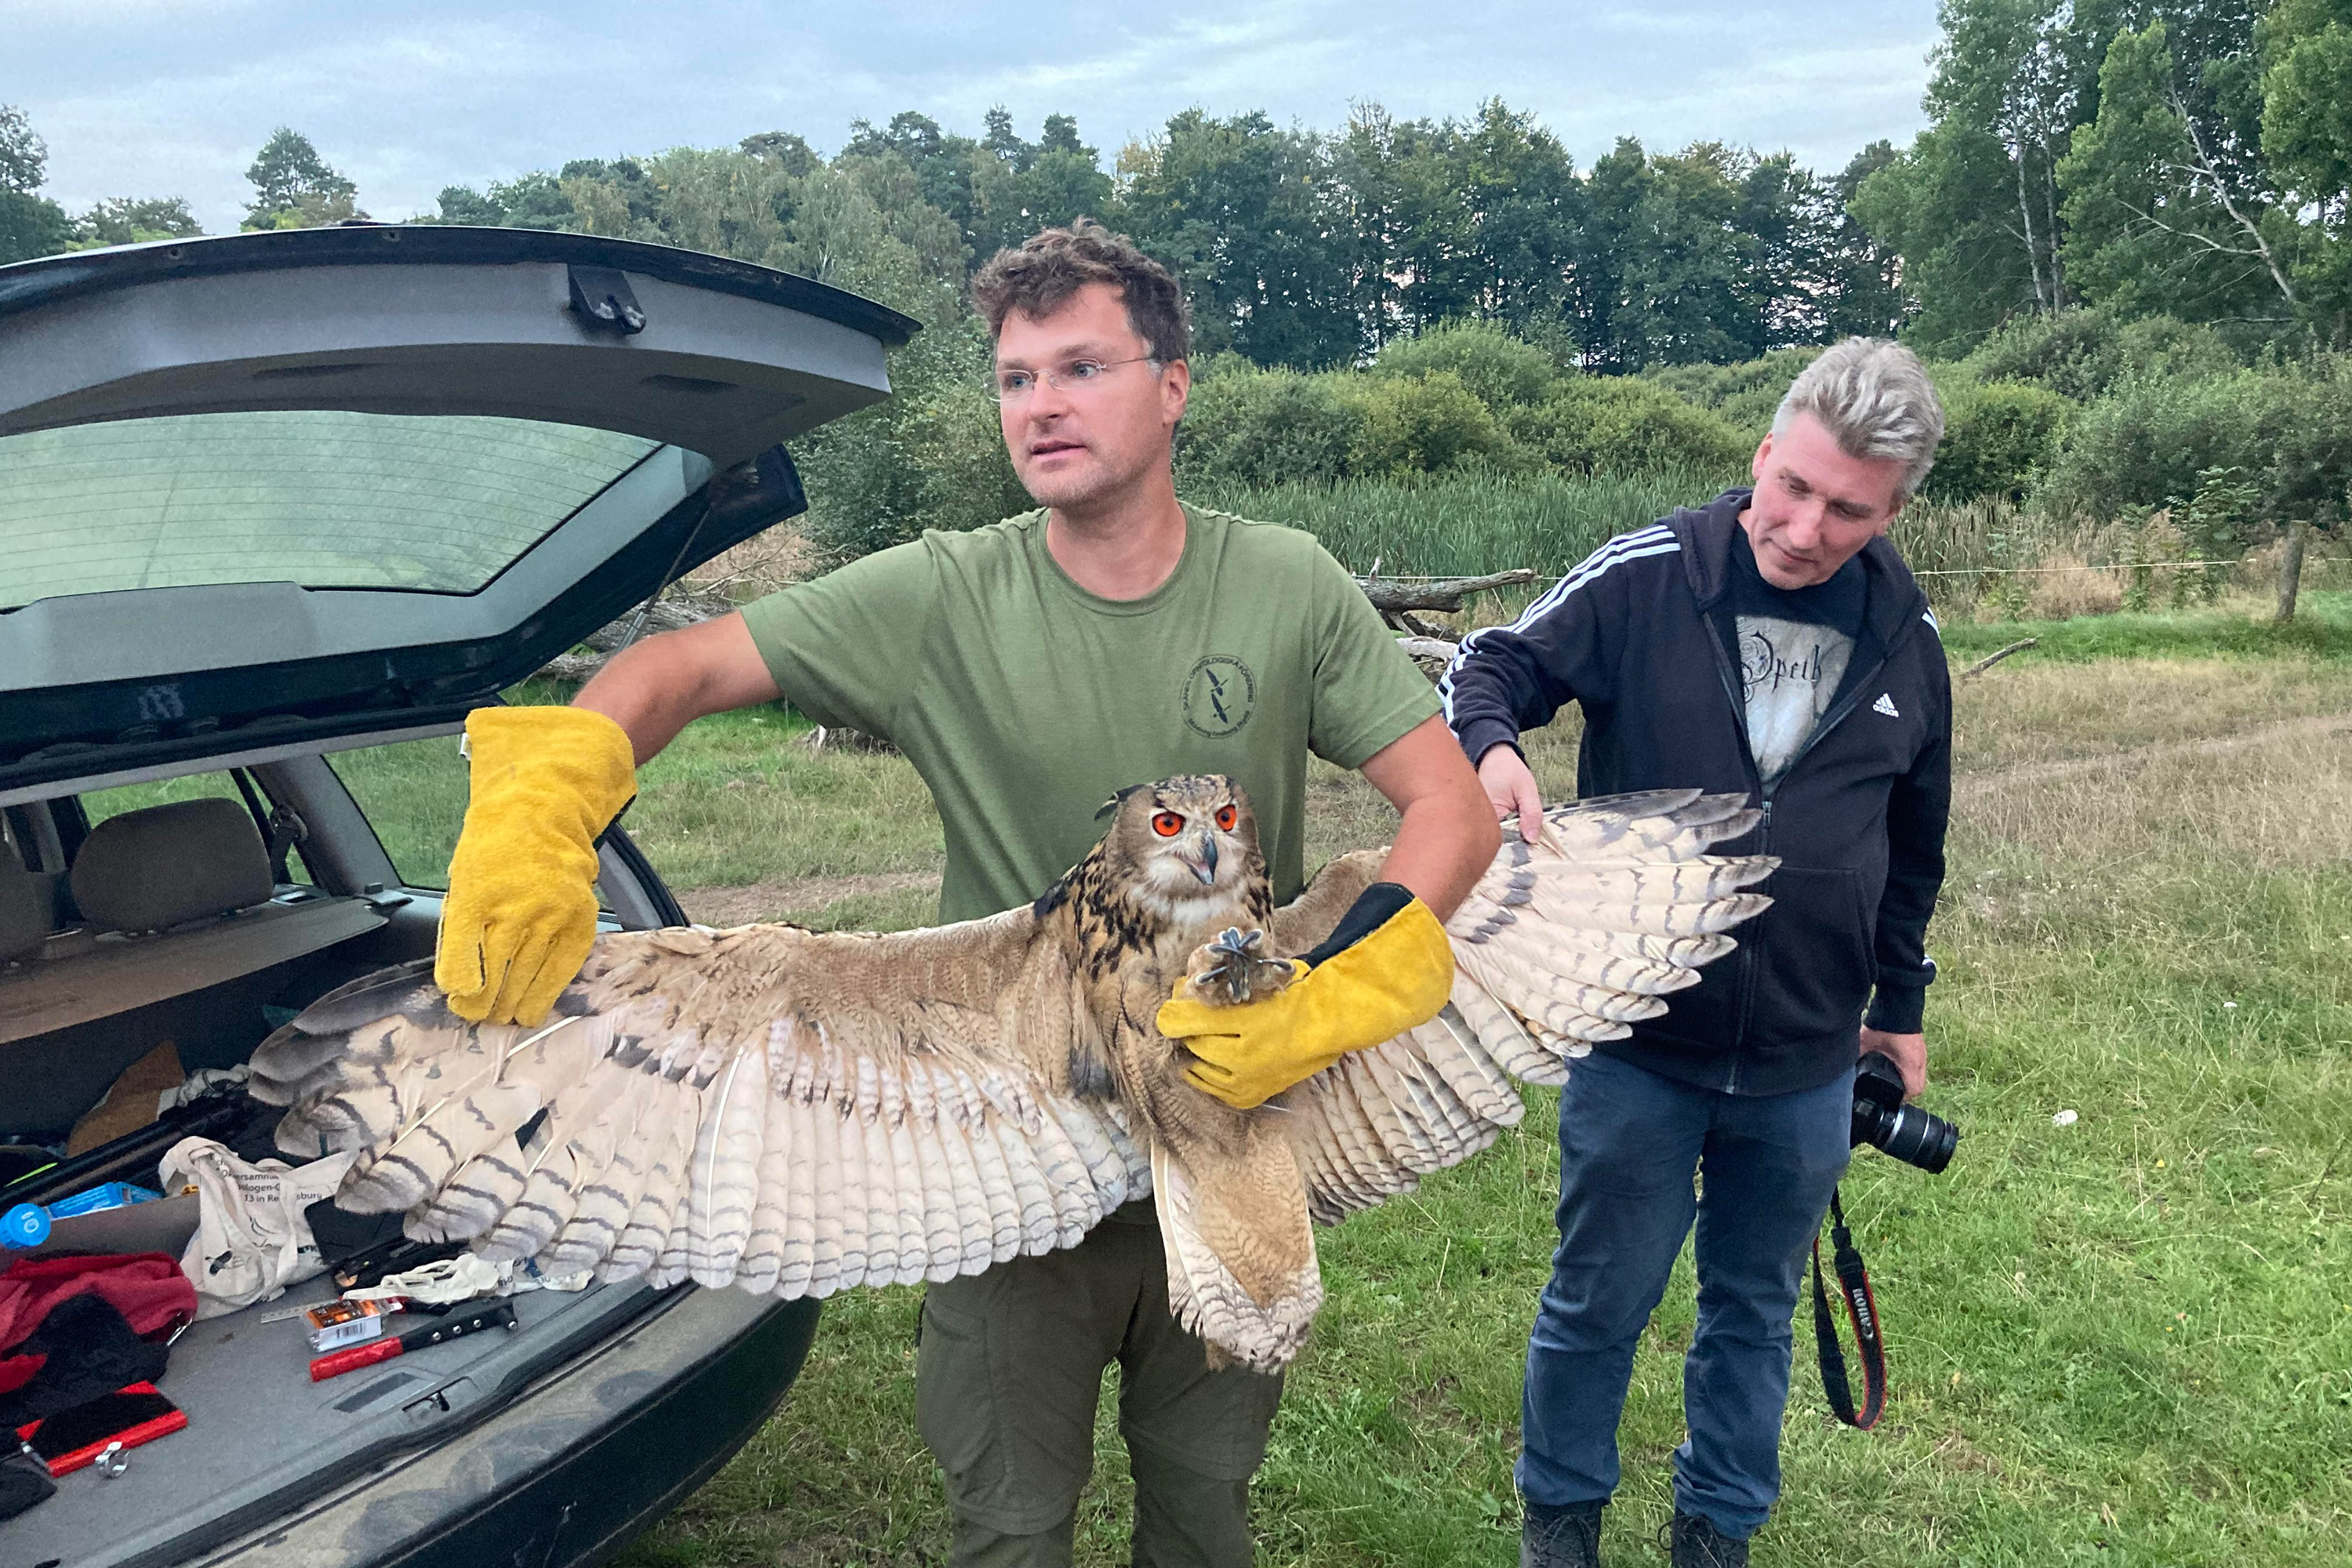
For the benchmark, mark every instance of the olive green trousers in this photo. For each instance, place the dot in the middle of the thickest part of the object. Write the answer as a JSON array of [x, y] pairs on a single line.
[[1005, 1384]]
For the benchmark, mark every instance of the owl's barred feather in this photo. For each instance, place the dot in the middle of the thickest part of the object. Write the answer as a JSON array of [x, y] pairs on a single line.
[[800, 1113]]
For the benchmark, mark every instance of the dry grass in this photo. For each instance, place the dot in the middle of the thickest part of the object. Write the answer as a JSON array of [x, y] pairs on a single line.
[[2065, 586], [2020, 712]]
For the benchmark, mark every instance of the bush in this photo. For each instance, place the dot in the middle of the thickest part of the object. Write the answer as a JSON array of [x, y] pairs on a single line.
[[1626, 425], [1249, 426], [1500, 369], [1465, 524], [2084, 353], [1746, 395], [1429, 423], [1997, 440], [2145, 444], [930, 457]]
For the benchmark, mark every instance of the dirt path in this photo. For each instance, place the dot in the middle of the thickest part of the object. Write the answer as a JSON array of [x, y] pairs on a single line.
[[805, 895], [2314, 726]]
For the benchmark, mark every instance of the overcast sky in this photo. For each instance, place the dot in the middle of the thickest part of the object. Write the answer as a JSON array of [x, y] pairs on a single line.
[[173, 97]]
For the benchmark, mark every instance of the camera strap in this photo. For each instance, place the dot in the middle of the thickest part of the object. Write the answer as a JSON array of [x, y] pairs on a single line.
[[1862, 1310]]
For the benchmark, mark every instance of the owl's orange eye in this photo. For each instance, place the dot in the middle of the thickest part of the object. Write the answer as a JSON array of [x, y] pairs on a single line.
[[1168, 825], [1226, 817]]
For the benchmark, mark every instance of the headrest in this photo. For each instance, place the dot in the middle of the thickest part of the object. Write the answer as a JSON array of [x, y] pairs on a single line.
[[23, 908], [145, 869]]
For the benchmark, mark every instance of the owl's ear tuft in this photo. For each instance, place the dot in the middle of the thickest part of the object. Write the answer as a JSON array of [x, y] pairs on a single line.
[[1115, 802]]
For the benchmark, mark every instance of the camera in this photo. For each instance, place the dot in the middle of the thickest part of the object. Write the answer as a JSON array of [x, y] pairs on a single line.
[[1881, 1120]]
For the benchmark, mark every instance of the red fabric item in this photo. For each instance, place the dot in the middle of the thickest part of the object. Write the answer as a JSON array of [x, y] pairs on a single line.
[[146, 1288]]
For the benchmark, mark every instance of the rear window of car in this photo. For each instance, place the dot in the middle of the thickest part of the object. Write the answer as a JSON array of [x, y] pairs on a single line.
[[326, 499]]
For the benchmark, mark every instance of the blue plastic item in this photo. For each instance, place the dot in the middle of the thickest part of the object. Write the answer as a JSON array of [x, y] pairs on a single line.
[[105, 1195], [27, 1225]]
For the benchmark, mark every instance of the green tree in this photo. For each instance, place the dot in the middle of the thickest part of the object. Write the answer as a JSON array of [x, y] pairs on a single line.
[[2163, 213], [1973, 206], [294, 187], [1391, 220], [126, 220], [942, 164], [792, 153], [1672, 272], [1482, 220], [2306, 138], [24, 156], [1242, 213], [30, 224], [1864, 292]]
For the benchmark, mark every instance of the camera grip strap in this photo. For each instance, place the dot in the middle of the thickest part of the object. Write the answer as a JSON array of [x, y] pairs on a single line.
[[1862, 1310]]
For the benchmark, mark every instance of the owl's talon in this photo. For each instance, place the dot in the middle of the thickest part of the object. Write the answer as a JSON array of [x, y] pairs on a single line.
[[1234, 967]]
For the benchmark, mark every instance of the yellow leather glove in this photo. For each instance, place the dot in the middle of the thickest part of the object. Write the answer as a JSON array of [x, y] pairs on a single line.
[[521, 909], [1388, 968]]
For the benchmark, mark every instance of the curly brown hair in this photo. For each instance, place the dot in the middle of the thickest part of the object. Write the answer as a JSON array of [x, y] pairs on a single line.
[[1038, 279]]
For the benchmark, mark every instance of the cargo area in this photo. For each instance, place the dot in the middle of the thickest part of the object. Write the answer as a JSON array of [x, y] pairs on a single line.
[[151, 936]]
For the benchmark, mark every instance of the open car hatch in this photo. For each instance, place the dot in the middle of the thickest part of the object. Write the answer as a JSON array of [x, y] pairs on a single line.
[[288, 487]]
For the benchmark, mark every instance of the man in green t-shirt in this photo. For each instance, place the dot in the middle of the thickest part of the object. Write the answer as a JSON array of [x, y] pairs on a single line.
[[1030, 671]]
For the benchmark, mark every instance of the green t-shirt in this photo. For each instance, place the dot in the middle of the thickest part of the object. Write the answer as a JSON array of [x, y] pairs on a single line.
[[1025, 702]]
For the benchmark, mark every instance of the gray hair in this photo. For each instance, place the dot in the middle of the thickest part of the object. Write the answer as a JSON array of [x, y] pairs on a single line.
[[1874, 398]]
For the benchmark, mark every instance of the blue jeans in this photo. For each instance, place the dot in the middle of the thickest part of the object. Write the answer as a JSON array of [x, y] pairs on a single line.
[[1629, 1142]]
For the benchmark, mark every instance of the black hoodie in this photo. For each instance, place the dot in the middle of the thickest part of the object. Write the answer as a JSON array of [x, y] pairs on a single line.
[[1641, 635]]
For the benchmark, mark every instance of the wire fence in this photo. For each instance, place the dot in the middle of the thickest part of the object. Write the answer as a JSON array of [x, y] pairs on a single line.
[[2311, 564]]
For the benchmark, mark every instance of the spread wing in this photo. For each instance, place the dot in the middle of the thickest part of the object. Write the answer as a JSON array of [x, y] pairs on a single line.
[[765, 1107], [1569, 941]]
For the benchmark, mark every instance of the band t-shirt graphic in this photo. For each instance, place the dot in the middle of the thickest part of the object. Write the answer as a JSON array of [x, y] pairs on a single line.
[[1794, 644]]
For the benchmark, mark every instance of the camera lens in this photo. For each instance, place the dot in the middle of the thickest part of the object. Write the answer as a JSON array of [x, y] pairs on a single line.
[[1918, 1138]]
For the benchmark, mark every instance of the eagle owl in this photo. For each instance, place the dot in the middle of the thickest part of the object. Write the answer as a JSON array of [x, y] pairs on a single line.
[[796, 1113]]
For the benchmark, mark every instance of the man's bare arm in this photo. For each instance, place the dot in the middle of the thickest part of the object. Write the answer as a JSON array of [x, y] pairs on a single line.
[[1448, 837], [657, 688]]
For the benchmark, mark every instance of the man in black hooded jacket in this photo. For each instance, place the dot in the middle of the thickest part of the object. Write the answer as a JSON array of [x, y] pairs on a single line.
[[1772, 643]]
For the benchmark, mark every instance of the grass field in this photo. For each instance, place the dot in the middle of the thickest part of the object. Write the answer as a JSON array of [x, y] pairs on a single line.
[[2127, 1341]]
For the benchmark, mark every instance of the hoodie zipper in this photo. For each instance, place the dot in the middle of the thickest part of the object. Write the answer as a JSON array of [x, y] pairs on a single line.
[[1732, 693]]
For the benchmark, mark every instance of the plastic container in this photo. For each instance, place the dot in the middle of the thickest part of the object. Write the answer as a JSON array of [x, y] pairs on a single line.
[[27, 1225]]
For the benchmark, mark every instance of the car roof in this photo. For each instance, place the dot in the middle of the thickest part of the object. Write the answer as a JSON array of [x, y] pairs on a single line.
[[330, 480]]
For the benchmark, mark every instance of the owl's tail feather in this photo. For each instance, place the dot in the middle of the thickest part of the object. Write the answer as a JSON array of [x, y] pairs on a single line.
[[1242, 1271]]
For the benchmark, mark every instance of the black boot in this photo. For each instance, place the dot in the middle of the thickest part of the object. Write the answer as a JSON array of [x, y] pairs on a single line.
[[1694, 1543], [1562, 1537]]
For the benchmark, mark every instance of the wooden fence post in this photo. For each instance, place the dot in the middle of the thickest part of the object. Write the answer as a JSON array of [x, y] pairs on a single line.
[[2291, 569]]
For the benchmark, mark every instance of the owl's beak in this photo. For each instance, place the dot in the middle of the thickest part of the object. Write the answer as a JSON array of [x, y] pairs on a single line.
[[1206, 867]]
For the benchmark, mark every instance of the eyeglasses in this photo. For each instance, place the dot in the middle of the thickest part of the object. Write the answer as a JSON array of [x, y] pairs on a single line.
[[1078, 375]]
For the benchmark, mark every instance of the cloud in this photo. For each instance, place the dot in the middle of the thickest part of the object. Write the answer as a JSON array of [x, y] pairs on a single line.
[[141, 98]]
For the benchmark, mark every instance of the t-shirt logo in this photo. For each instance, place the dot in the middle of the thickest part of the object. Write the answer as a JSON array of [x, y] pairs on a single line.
[[1219, 696], [1791, 670]]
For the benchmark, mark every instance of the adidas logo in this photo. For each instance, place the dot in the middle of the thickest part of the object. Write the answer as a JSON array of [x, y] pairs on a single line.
[[1885, 705]]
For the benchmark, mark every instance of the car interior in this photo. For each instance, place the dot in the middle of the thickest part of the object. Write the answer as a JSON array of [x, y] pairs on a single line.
[[202, 921]]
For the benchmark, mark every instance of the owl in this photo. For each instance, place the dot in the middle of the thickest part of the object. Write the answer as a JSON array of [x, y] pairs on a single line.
[[797, 1113]]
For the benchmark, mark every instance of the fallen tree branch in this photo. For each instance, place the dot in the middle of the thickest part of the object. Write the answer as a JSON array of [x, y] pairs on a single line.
[[1434, 654], [1981, 666], [674, 610], [1390, 597]]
